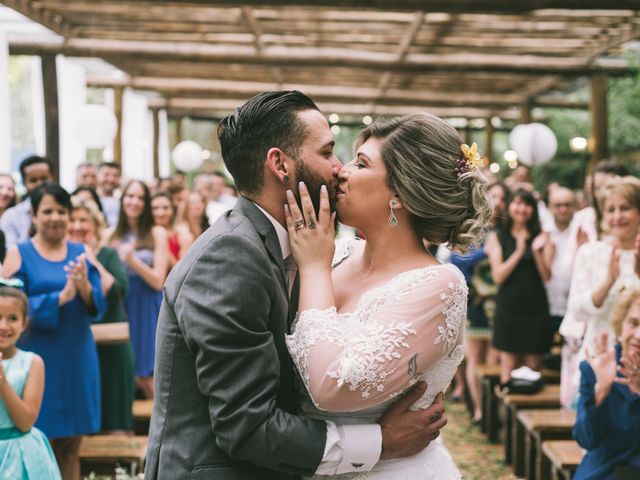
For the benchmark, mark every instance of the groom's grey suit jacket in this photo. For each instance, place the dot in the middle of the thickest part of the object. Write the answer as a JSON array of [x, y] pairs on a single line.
[[224, 380]]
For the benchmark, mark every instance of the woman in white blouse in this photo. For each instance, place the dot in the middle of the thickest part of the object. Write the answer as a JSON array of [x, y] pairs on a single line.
[[388, 315], [601, 271]]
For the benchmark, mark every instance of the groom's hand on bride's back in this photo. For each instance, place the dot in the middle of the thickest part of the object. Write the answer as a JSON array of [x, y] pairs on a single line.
[[406, 432]]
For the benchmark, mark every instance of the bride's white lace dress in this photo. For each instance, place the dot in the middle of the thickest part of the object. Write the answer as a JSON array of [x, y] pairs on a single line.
[[354, 364]]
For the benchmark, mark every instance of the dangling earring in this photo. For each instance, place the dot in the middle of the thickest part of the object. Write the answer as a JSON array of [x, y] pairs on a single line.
[[393, 221], [285, 179]]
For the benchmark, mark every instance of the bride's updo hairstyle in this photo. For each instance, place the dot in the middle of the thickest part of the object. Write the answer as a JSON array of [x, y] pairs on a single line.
[[423, 154]]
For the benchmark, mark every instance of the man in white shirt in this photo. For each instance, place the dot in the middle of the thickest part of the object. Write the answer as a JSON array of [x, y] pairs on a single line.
[[561, 203], [108, 185]]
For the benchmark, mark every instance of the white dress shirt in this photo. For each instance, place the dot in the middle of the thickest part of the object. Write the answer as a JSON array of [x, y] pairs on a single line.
[[349, 448]]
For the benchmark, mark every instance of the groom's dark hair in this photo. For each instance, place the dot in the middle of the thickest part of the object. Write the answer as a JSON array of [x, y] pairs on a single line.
[[267, 120]]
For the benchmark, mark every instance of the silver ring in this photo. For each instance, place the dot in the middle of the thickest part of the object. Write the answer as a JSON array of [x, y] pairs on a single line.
[[299, 224], [78, 277], [312, 226]]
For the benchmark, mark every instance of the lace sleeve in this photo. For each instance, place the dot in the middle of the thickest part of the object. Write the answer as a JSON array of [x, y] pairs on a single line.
[[398, 331]]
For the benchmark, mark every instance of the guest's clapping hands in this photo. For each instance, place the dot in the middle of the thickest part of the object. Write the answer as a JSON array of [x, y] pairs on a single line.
[[614, 265], [521, 241], [629, 368], [312, 239], [603, 363], [77, 272], [125, 252], [68, 293], [539, 242]]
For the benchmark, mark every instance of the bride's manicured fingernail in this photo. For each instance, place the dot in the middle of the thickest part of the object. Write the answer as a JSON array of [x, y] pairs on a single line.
[[323, 188], [289, 194], [302, 186]]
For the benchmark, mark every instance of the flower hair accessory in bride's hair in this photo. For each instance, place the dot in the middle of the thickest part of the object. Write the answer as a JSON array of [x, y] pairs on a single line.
[[470, 159]]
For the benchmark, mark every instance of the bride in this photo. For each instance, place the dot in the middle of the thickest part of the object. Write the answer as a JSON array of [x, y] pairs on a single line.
[[388, 314]]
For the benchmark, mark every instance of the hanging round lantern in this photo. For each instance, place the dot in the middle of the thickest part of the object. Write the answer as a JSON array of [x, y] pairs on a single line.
[[187, 156], [95, 126], [534, 143]]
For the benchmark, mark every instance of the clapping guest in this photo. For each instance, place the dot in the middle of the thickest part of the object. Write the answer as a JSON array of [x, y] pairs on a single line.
[[164, 215], [65, 296], [522, 330], [116, 361], [601, 270], [144, 250], [193, 214], [608, 420]]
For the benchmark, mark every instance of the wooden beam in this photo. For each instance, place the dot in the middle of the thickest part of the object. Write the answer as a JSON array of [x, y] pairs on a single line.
[[156, 140], [52, 121], [548, 101], [52, 21], [488, 141], [319, 57], [460, 6], [118, 93], [196, 106], [525, 111], [226, 89], [599, 130], [252, 25]]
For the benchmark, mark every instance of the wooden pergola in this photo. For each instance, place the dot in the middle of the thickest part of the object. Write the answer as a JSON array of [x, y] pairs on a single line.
[[456, 58]]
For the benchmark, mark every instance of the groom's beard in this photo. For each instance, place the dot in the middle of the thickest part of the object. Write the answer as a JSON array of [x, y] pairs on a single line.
[[314, 181]]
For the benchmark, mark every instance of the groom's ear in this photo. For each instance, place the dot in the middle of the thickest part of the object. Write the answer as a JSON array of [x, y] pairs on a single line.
[[279, 164]]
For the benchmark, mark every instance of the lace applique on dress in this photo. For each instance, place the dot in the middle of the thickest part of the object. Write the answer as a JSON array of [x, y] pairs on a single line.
[[367, 344]]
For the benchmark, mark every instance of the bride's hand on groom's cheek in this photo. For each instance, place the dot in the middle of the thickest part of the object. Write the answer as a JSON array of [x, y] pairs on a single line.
[[311, 236], [406, 432]]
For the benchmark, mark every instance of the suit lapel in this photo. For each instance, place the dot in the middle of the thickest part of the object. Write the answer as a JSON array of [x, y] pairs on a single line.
[[267, 233]]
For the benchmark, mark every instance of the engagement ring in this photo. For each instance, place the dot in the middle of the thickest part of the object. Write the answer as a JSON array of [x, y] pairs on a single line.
[[299, 224], [79, 277], [312, 226]]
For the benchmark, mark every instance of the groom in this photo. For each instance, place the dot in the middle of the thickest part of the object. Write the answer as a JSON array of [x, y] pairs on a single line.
[[226, 398]]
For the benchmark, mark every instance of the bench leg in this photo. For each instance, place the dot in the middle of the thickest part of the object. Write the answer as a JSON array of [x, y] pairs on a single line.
[[492, 410], [508, 459], [517, 443], [543, 465], [530, 451]]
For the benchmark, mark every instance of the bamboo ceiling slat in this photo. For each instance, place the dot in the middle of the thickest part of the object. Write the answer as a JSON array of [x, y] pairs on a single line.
[[467, 57]]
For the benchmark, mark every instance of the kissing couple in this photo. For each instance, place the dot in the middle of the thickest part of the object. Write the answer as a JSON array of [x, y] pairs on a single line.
[[281, 354]]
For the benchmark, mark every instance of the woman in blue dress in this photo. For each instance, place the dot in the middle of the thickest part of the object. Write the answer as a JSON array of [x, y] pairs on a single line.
[[65, 297], [144, 250]]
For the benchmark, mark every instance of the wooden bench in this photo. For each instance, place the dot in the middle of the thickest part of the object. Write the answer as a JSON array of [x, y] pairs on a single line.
[[539, 426], [547, 398], [561, 458], [110, 333], [488, 378], [142, 416], [102, 453]]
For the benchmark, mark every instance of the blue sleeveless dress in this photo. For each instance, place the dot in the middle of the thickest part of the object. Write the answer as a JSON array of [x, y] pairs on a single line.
[[62, 337], [23, 455], [142, 306]]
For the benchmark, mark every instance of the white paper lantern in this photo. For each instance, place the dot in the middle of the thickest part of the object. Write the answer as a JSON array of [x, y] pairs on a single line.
[[95, 126], [535, 143], [187, 156]]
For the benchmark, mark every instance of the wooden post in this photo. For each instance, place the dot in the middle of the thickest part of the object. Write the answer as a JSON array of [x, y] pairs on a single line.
[[156, 139], [599, 138], [117, 140], [52, 124], [178, 136], [525, 112], [488, 142]]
